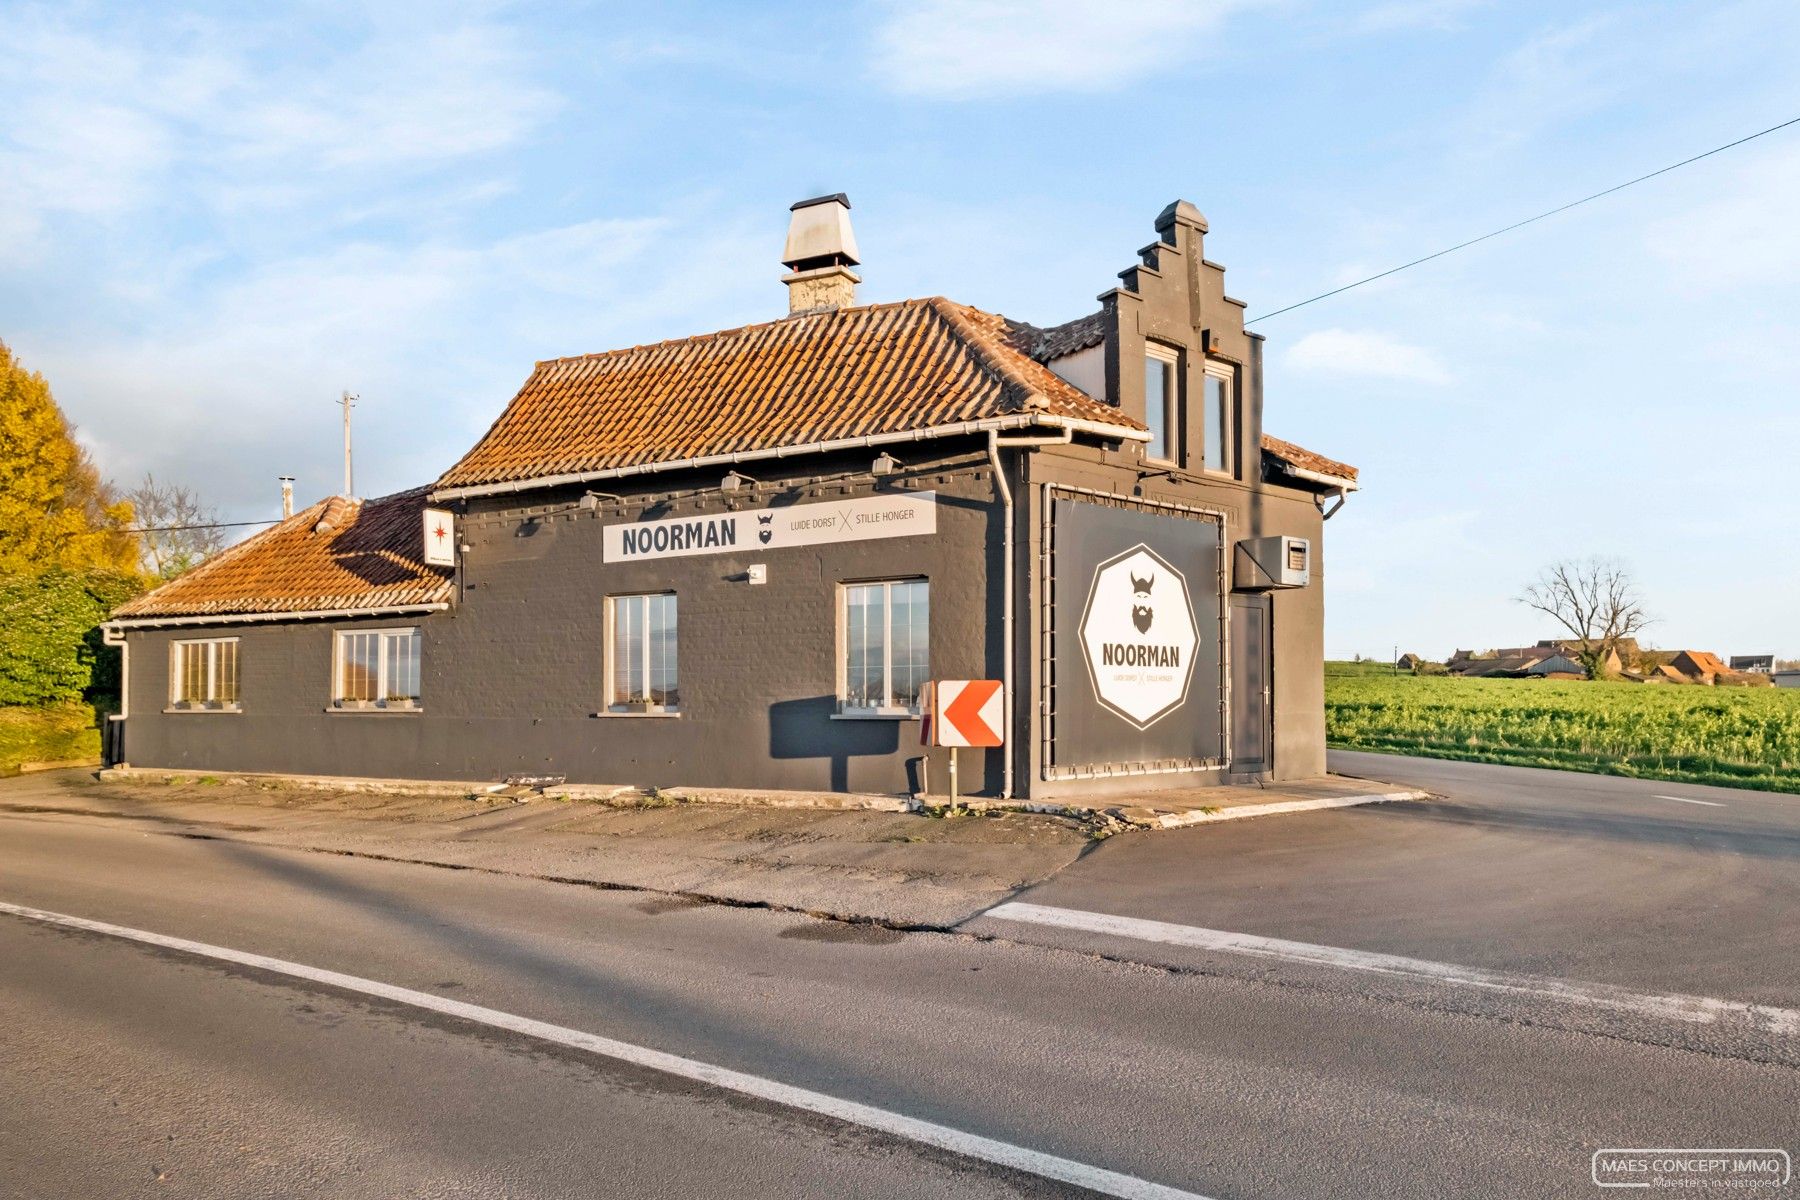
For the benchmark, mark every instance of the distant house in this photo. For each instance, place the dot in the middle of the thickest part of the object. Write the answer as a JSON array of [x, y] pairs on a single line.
[[1700, 666], [1703, 666], [1407, 662], [1754, 664]]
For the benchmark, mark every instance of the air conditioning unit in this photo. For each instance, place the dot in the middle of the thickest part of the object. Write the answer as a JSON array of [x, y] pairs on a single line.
[[1278, 561]]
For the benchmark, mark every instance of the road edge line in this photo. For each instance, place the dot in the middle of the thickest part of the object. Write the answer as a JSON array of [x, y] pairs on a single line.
[[912, 1129], [1701, 1010]]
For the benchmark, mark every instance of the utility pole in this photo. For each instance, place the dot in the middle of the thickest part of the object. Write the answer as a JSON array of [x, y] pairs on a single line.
[[348, 401]]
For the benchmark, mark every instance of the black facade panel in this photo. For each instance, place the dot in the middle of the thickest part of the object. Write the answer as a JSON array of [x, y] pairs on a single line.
[[514, 675]]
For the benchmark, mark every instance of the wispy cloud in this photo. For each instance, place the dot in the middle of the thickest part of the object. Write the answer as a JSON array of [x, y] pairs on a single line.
[[434, 335], [960, 49], [1416, 14], [1745, 235], [111, 117], [1365, 354], [1555, 76]]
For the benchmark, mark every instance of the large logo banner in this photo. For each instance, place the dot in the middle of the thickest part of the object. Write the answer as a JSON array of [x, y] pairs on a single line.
[[1136, 647]]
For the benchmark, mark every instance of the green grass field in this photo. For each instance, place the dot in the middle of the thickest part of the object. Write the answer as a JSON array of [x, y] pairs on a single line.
[[47, 735], [1735, 737]]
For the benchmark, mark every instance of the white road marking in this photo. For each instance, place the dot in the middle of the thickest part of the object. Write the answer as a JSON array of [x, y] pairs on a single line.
[[956, 1141], [1686, 800], [1703, 1010]]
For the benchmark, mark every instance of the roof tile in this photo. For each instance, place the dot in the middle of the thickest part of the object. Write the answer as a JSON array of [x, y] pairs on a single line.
[[1306, 460], [813, 377], [338, 554]]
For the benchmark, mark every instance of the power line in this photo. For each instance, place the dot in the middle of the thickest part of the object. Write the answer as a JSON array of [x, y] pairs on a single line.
[[209, 525], [1561, 208]]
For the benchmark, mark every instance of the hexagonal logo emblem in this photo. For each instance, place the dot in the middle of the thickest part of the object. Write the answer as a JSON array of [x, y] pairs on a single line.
[[1138, 635]]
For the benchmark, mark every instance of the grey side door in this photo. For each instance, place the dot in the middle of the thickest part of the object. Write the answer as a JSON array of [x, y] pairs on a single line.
[[1250, 683]]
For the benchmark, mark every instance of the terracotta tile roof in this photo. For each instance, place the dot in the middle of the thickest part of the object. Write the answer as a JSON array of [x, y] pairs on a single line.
[[1703, 662], [1298, 456], [814, 377], [1058, 340], [340, 553]]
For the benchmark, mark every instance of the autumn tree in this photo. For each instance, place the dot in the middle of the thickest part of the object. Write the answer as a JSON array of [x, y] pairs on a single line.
[[177, 532], [55, 510], [1596, 600]]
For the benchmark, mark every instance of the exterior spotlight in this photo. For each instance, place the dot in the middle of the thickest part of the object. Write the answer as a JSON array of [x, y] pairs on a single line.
[[885, 464], [591, 500], [734, 480]]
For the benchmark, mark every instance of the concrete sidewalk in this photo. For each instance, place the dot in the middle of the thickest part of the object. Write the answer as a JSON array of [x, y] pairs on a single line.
[[924, 868]]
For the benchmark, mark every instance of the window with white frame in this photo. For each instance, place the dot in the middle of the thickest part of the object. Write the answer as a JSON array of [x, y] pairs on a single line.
[[1161, 403], [203, 674], [643, 633], [376, 668], [1221, 420], [885, 631]]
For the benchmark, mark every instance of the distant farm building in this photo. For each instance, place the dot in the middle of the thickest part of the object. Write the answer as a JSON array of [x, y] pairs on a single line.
[[1701, 666], [1754, 664], [1533, 662]]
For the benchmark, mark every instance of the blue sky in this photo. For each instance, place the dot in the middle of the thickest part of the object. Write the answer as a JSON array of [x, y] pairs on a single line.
[[212, 219]]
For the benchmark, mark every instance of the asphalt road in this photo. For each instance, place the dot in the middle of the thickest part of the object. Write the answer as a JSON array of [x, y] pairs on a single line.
[[1576, 876], [134, 1070]]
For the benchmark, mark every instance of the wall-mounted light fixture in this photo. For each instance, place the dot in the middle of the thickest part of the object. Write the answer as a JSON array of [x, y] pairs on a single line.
[[885, 464], [734, 480], [591, 500]]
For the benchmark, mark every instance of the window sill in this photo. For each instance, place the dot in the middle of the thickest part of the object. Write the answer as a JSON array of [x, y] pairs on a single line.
[[876, 714], [652, 713], [201, 708], [411, 711]]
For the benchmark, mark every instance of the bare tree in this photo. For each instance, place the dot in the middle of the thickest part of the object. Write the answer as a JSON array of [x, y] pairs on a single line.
[[1596, 600], [178, 530]]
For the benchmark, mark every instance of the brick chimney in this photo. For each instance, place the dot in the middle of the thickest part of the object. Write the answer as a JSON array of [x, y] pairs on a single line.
[[821, 249]]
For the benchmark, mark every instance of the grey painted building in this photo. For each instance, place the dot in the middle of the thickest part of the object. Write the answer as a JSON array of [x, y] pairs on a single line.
[[733, 560]]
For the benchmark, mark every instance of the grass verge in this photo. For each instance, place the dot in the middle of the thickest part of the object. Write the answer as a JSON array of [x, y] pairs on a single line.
[[1728, 737], [58, 734]]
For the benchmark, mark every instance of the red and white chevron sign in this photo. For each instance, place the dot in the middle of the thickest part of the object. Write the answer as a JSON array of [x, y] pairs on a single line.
[[968, 712]]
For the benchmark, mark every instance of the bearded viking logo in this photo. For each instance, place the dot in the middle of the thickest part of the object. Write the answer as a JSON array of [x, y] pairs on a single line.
[[1141, 611], [765, 533]]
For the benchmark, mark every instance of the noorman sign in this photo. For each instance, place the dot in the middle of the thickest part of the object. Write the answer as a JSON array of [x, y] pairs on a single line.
[[774, 528], [1138, 635]]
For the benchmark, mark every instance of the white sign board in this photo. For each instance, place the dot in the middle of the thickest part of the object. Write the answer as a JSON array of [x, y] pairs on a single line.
[[1138, 636], [968, 712], [757, 529], [440, 538]]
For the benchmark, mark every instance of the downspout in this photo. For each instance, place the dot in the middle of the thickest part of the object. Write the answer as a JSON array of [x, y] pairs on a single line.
[[1008, 572]]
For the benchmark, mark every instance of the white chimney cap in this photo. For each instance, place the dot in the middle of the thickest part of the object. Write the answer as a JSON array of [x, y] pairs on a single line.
[[819, 234]]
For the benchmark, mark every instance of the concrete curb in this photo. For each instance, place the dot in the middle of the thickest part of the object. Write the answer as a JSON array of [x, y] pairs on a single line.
[[1151, 818], [599, 792], [319, 783], [32, 768], [1116, 819]]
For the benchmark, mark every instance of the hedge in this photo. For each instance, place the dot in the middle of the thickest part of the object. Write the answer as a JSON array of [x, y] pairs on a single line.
[[50, 647]]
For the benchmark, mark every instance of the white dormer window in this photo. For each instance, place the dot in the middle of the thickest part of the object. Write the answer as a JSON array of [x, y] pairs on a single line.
[[1161, 403]]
